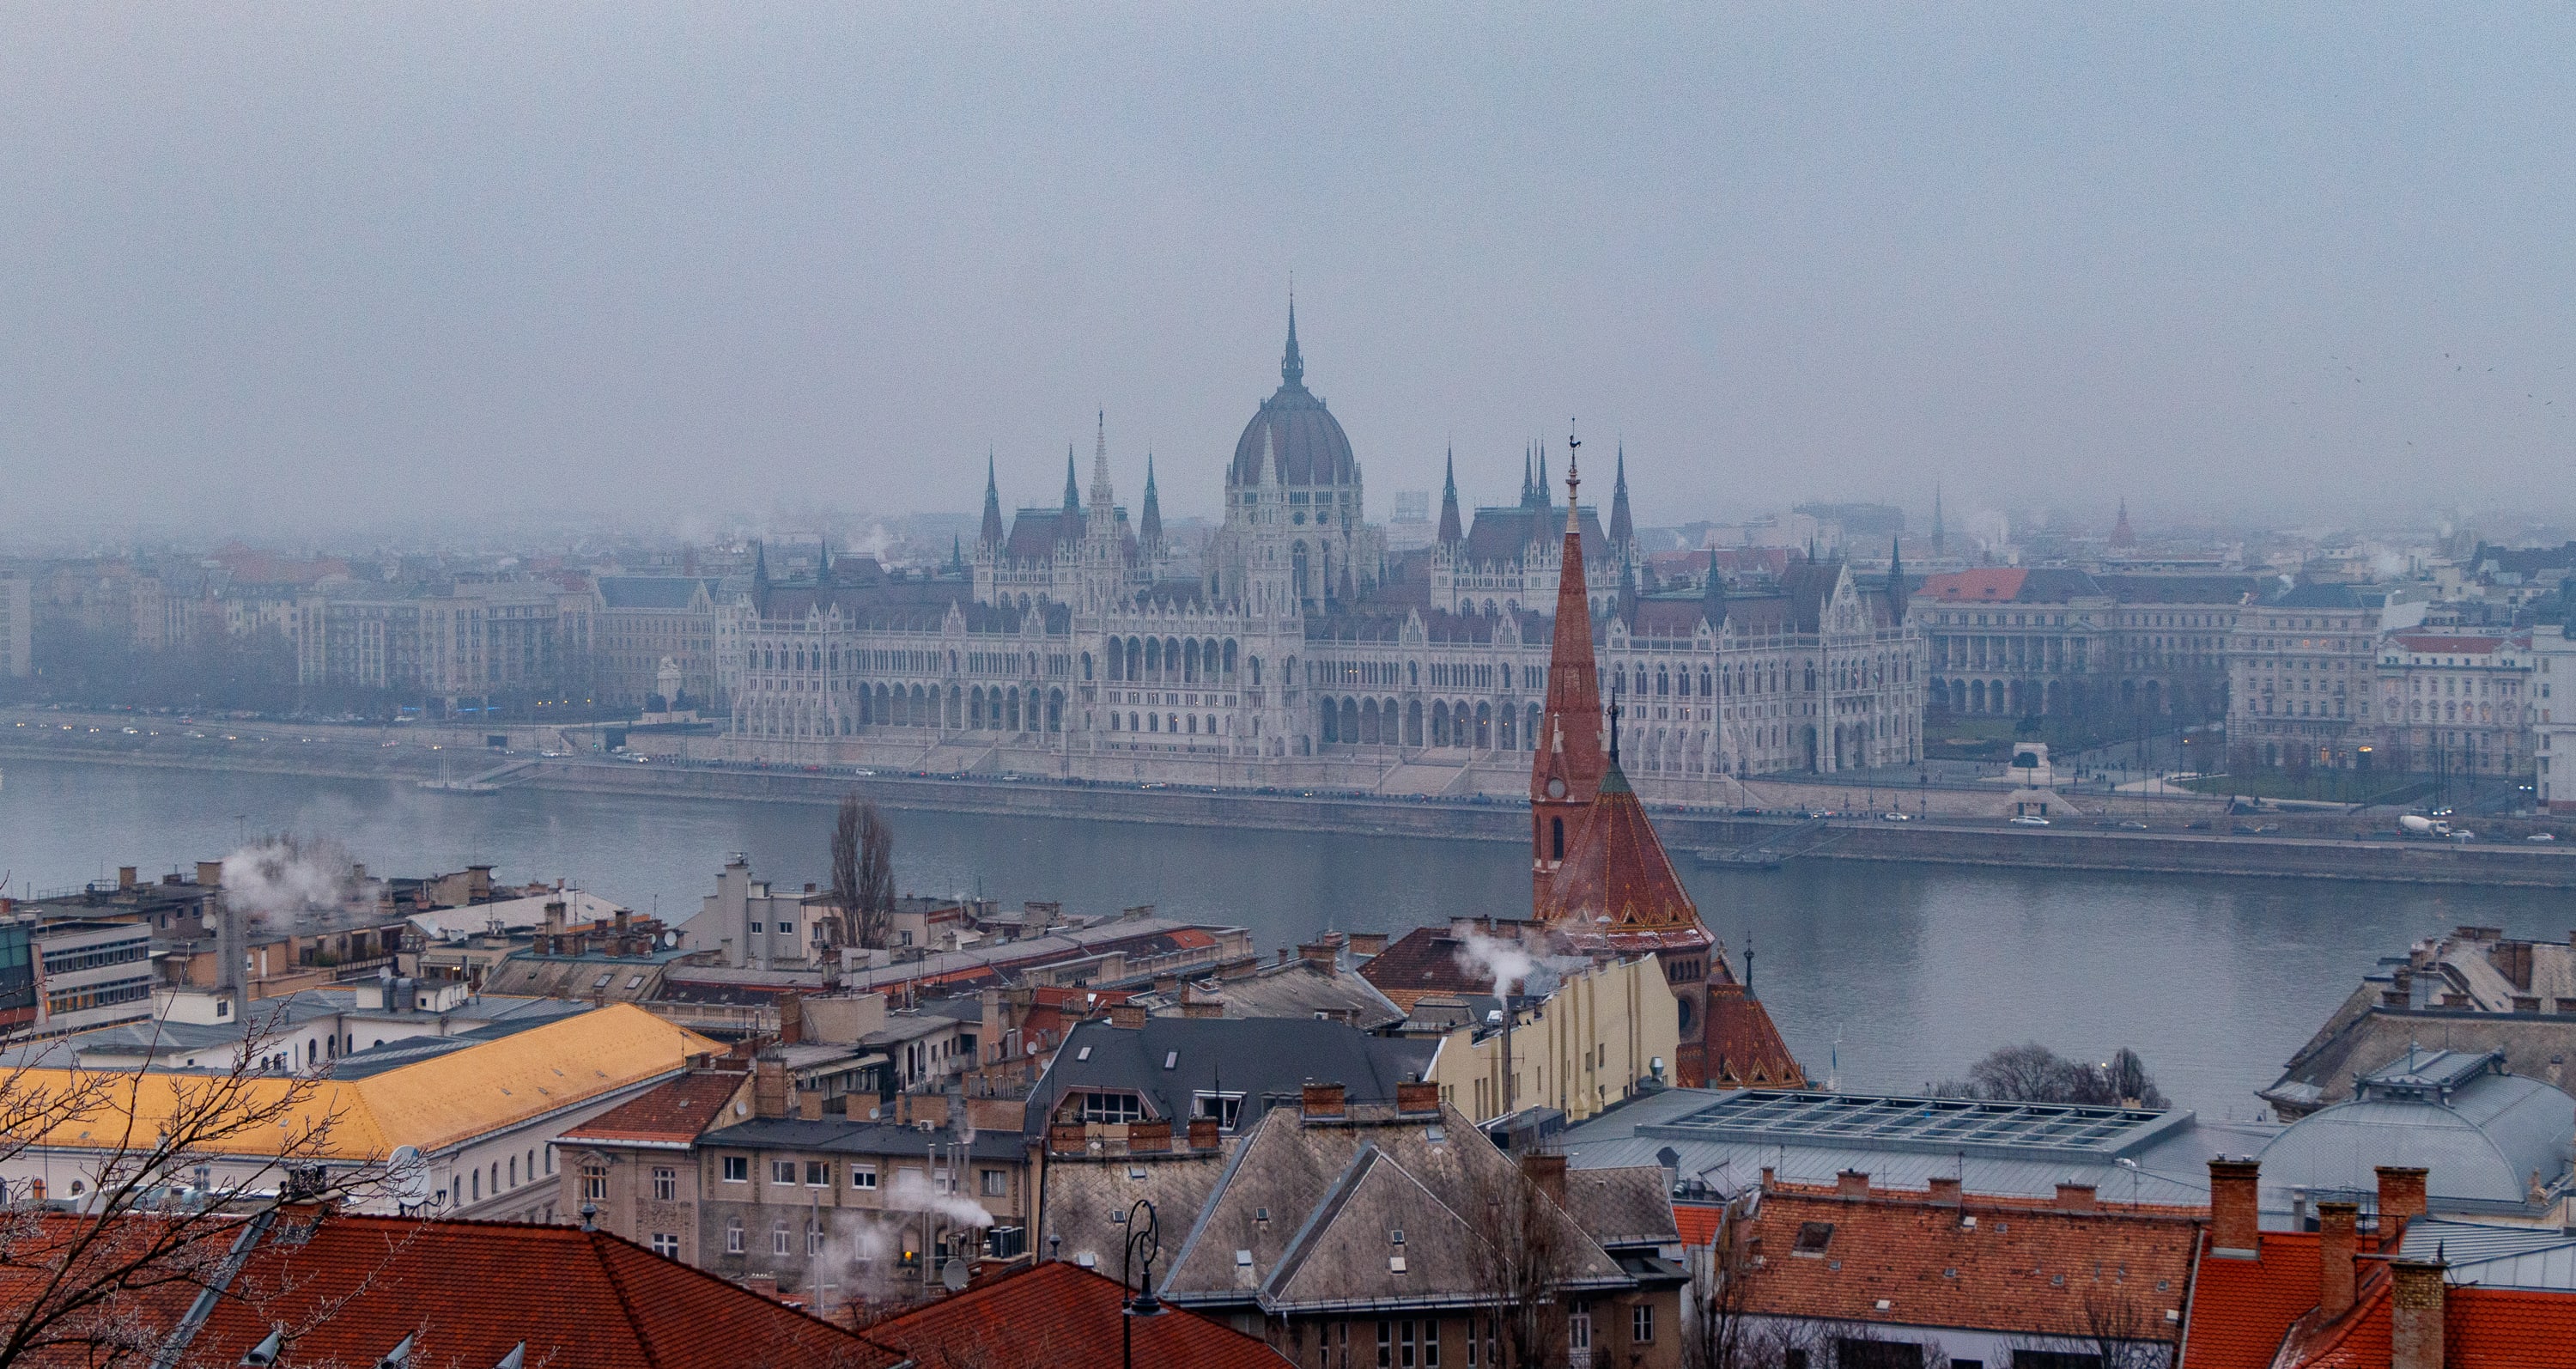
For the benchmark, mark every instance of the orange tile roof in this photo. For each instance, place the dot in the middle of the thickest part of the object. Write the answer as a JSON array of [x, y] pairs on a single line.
[[1698, 1224], [2249, 1313], [1993, 585], [1056, 1315], [1616, 869], [2240, 1308], [1904, 1260], [1740, 1044]]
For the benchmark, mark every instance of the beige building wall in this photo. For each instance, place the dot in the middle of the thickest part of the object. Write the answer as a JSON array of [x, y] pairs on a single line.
[[1581, 1050]]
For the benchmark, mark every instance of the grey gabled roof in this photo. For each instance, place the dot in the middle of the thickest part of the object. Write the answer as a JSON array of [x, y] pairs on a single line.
[[1302, 1219], [2486, 1140], [1170, 1058], [840, 1136]]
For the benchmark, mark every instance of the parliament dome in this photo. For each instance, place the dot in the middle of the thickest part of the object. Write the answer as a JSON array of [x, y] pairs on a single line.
[[1310, 446]]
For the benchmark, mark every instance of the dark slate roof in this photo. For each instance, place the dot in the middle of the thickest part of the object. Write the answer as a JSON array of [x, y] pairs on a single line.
[[1252, 1056], [1084, 1194], [2317, 596], [1035, 533], [1623, 1206], [651, 591], [1303, 435], [2180, 589], [1808, 584], [1500, 534]]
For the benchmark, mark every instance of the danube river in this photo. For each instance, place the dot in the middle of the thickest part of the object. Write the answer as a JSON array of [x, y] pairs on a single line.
[[1917, 970]]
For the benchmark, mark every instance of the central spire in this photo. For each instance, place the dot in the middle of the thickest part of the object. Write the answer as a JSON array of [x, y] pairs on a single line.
[[1292, 367], [1567, 762]]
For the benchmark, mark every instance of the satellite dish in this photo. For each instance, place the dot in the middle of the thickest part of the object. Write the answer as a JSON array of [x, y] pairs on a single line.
[[410, 1178], [670, 938], [952, 1276]]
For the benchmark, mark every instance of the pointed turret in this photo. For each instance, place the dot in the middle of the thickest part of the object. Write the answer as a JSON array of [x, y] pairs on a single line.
[[956, 554], [1072, 491], [991, 536], [1712, 596], [1936, 520], [1566, 768], [1452, 532], [2121, 536], [1896, 587], [1150, 527], [1102, 496], [823, 560], [1529, 478], [1622, 530]]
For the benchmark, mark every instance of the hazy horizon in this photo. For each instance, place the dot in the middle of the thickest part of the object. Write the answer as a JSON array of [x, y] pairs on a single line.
[[676, 268]]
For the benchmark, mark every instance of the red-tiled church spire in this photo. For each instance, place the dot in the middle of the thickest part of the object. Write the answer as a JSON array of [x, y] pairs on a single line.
[[1566, 768]]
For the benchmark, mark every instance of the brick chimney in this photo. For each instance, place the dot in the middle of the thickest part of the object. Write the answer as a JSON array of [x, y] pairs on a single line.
[[2336, 1223], [1368, 943], [1067, 1138], [1852, 1183], [1149, 1138], [2401, 1200], [770, 1087], [1127, 1016], [1320, 954], [1413, 1100], [124, 877], [2232, 1221], [809, 1104], [2415, 1314], [1167, 983], [2076, 1198], [1203, 1008], [210, 874], [1316, 1101], [1546, 1168], [1945, 1192], [1202, 1133]]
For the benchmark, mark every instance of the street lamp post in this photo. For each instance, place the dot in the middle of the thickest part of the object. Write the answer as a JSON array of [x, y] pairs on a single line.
[[1147, 1236]]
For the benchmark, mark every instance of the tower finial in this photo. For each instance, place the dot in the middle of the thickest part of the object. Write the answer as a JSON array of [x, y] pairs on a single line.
[[1292, 367], [1614, 724], [1572, 477]]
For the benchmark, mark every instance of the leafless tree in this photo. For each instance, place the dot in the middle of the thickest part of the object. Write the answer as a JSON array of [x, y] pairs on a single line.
[[862, 872], [95, 1272], [2112, 1330], [2032, 1073], [1520, 1265]]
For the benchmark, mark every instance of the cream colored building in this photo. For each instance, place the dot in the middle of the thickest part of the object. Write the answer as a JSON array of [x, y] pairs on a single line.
[[1582, 1049]]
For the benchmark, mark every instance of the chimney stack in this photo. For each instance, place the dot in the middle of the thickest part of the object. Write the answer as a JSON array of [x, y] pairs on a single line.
[[1149, 1138], [1417, 1099], [2076, 1198], [1946, 1193], [210, 874], [2401, 1200], [1852, 1183], [124, 878], [809, 1104], [2233, 1223], [2415, 1314], [1324, 955], [1320, 1102], [1127, 1016], [769, 1088], [2336, 1241], [1202, 1133], [1546, 1168]]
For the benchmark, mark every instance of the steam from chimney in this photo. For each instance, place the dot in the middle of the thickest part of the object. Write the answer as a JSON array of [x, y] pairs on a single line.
[[1504, 962], [913, 1193], [287, 874]]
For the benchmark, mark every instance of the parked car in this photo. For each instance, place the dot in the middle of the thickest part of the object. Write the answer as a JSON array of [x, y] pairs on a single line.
[[2028, 820], [2542, 836], [1893, 816]]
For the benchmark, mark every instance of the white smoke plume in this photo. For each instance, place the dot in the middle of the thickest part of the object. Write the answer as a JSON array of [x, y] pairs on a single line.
[[913, 1193], [1502, 961], [288, 874]]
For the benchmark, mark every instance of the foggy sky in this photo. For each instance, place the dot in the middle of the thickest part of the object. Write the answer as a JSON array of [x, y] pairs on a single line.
[[316, 266]]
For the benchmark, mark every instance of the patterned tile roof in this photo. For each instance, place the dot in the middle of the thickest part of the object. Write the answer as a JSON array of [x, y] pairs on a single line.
[[1901, 1259], [352, 1288]]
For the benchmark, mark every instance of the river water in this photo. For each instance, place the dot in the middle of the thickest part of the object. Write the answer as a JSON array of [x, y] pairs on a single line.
[[1915, 969]]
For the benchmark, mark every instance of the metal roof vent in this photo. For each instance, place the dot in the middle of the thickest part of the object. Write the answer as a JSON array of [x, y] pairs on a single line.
[[516, 1359], [266, 1352], [397, 1358]]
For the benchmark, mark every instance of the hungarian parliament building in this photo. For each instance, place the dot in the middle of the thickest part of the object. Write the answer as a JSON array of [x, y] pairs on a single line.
[[1297, 651]]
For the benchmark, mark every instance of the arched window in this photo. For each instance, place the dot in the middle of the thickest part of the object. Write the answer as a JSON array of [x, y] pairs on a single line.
[[1153, 657], [1086, 667], [1229, 658], [1297, 571], [1556, 838], [1190, 661], [1255, 662]]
